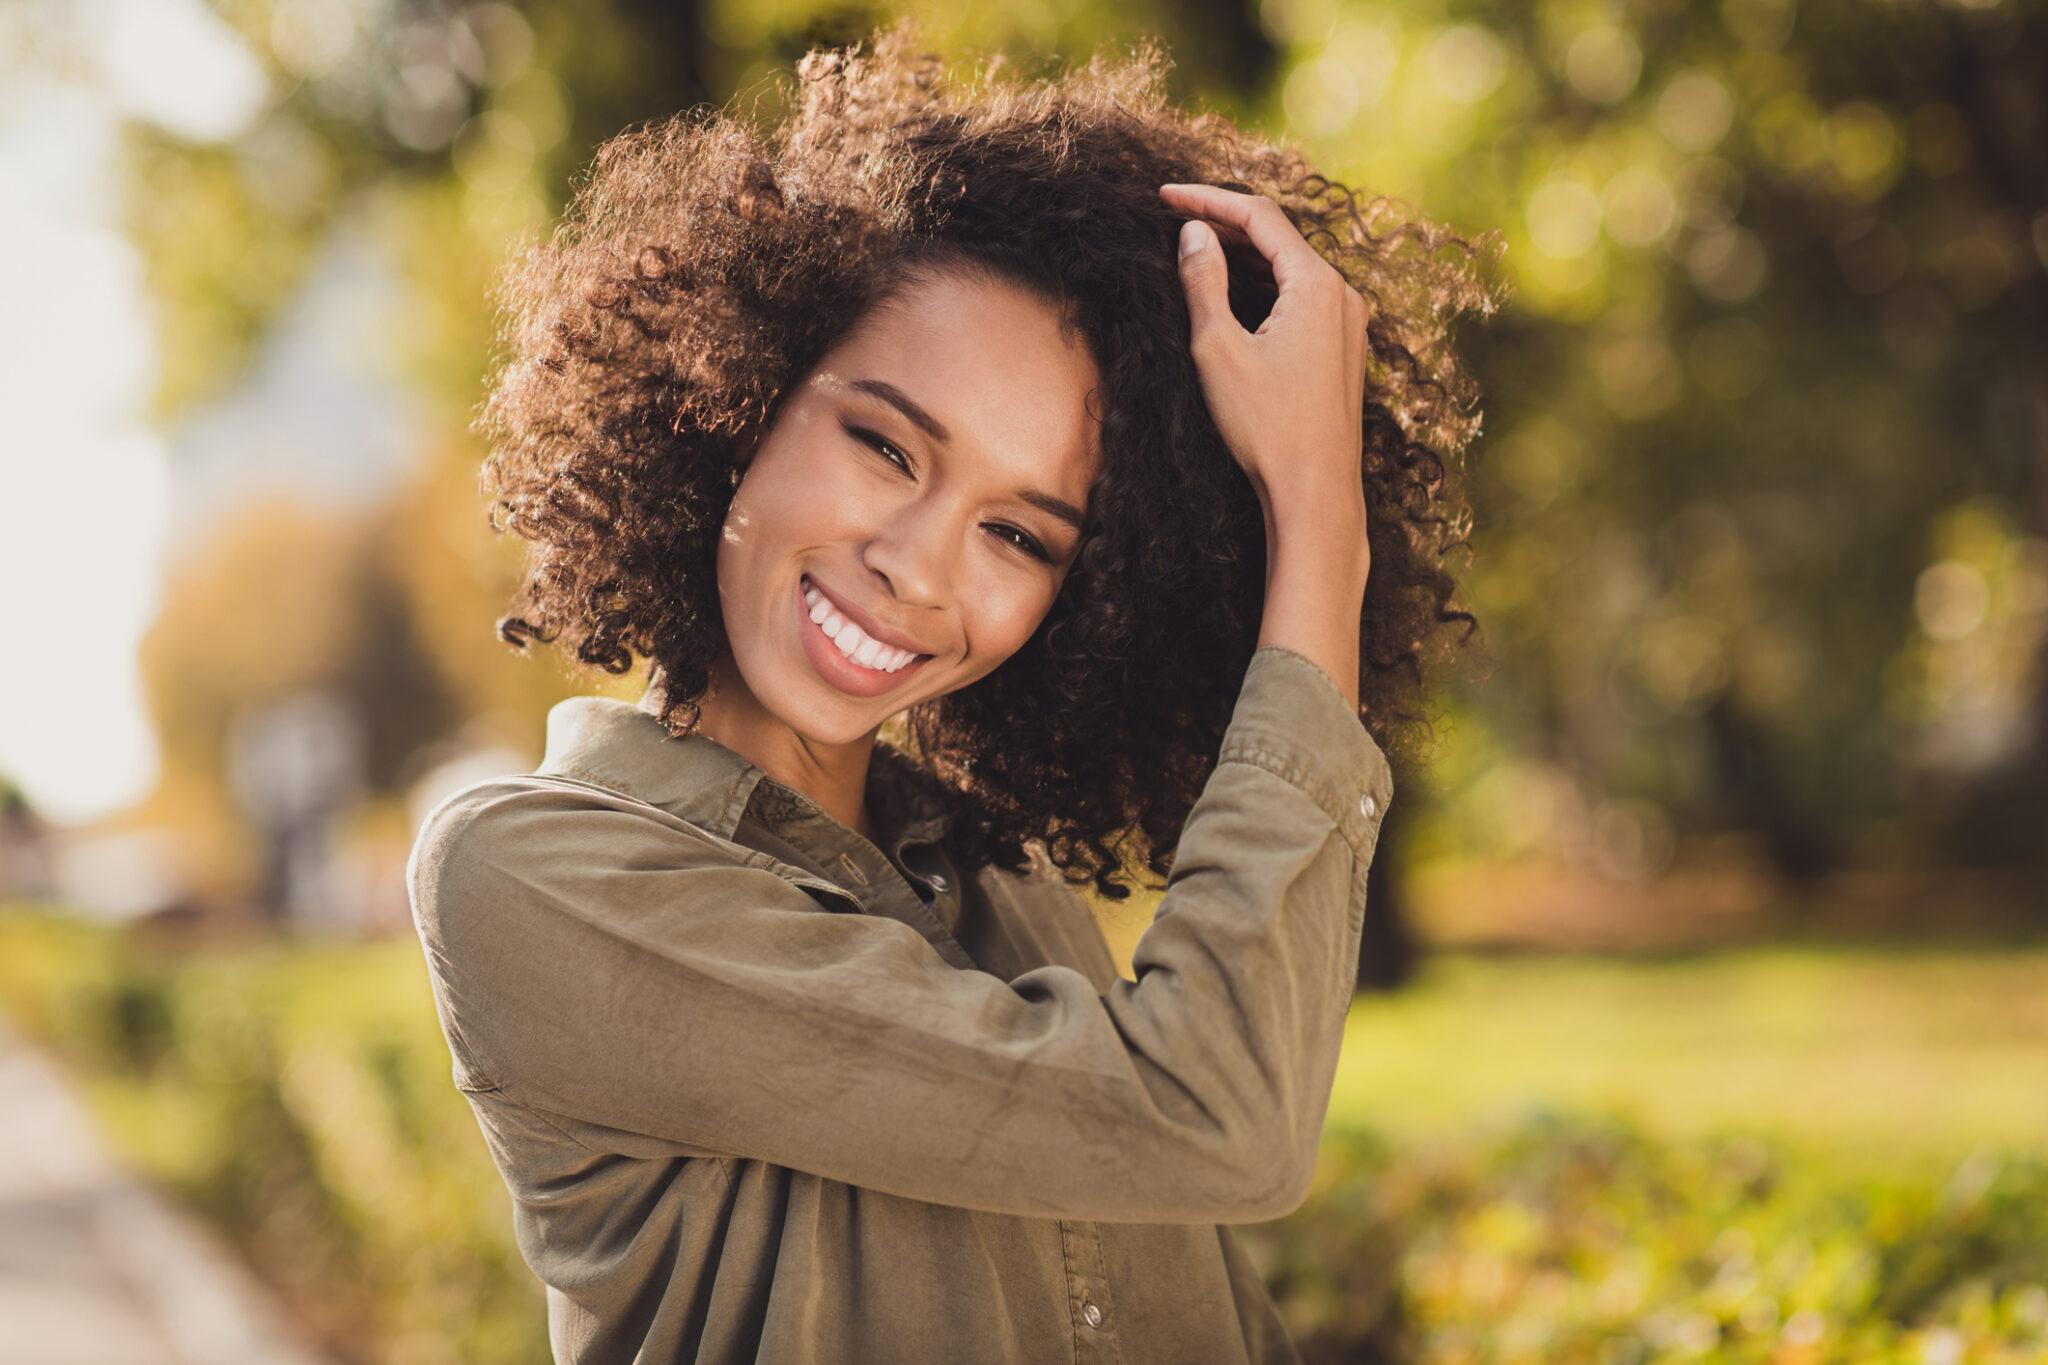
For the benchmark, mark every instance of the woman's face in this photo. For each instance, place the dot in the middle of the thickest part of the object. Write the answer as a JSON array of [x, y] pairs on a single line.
[[905, 524]]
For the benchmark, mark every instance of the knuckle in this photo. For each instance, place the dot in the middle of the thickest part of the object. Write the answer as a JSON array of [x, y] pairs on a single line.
[[1329, 288]]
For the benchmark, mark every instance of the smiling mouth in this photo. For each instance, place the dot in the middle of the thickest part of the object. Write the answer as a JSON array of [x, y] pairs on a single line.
[[856, 645]]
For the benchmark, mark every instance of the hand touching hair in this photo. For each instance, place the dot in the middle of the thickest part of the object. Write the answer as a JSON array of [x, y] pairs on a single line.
[[706, 266]]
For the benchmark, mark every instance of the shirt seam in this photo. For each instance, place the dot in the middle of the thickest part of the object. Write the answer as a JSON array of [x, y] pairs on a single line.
[[1116, 1350], [545, 1117], [1361, 841]]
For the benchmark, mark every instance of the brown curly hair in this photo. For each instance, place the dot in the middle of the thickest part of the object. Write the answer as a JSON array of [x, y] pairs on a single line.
[[706, 266]]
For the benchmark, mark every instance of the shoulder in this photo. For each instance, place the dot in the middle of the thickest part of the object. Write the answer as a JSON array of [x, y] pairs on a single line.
[[515, 840], [512, 818]]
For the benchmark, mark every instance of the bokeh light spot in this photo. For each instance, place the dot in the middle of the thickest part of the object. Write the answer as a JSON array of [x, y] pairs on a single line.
[[310, 38], [1951, 599], [1695, 111], [1298, 21], [1603, 64], [1321, 96], [1638, 206], [175, 63], [1728, 265], [1864, 146], [1564, 219], [1467, 63]]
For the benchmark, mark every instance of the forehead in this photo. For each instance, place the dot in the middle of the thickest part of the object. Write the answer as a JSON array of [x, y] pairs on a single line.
[[995, 365]]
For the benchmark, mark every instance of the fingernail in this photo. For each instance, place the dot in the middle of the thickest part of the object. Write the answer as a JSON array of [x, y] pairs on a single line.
[[1194, 235]]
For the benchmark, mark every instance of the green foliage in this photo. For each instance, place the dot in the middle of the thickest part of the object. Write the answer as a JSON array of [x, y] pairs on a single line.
[[1880, 1056], [298, 1097], [1778, 321], [1564, 1240]]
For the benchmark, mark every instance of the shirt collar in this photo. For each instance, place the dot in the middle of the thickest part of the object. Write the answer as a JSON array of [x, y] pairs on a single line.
[[621, 745]]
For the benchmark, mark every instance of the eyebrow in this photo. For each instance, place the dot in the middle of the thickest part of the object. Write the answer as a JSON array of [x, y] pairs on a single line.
[[932, 427], [899, 400], [1058, 507]]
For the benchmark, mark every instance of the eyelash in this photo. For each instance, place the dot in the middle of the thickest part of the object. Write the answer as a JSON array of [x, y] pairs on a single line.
[[1015, 536], [881, 446]]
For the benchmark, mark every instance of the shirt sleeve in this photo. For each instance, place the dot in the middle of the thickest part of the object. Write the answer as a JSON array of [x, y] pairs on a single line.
[[593, 961]]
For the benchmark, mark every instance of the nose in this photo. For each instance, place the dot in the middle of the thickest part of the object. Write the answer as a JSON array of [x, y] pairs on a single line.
[[912, 551]]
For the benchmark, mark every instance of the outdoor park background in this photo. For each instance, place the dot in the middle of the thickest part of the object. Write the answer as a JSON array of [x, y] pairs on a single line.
[[1718, 916]]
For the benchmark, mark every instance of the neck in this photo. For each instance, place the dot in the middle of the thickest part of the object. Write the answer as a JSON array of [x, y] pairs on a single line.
[[833, 775]]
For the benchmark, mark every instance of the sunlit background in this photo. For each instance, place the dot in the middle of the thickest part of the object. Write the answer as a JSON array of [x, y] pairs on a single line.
[[1709, 941]]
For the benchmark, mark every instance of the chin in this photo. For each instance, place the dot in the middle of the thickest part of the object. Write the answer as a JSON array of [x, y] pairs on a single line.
[[819, 713]]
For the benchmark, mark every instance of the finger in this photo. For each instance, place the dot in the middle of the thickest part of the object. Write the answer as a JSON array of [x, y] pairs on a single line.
[[1357, 318], [1206, 280], [1261, 222]]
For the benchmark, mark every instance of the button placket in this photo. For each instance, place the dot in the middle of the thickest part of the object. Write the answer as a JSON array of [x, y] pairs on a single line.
[[1088, 1293]]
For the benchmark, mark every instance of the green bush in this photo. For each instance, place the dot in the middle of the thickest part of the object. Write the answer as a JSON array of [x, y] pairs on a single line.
[[1573, 1240], [297, 1096]]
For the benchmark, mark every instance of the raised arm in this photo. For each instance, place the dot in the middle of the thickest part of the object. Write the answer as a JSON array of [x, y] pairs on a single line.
[[1288, 400], [605, 965]]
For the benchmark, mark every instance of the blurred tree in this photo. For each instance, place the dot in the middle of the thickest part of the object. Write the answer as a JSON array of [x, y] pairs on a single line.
[[1779, 304], [283, 603]]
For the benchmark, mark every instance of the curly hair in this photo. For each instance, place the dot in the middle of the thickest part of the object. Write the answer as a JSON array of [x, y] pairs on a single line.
[[705, 266]]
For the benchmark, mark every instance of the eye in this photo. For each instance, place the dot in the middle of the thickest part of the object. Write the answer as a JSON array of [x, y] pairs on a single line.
[[881, 445], [1020, 538]]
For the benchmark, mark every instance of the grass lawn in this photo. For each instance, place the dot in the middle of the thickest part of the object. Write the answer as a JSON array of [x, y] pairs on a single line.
[[1879, 1055]]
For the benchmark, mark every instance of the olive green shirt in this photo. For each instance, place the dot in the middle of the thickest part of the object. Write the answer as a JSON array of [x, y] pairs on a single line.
[[764, 1091]]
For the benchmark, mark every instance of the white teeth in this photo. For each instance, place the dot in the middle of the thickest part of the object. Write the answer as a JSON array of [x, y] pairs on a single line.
[[856, 644]]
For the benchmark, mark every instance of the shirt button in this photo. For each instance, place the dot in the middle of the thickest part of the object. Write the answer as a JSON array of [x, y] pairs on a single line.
[[1092, 1314], [939, 883], [1367, 806]]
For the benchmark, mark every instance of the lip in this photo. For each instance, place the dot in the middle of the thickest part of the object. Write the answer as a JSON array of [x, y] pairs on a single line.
[[867, 623], [834, 667]]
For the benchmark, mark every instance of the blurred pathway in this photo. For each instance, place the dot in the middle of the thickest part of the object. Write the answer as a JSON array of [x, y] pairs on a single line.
[[98, 1269]]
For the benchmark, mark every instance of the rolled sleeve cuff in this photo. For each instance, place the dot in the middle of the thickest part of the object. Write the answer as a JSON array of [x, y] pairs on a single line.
[[1292, 721]]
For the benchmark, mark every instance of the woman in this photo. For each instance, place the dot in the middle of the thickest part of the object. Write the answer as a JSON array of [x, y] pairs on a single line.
[[792, 1045]]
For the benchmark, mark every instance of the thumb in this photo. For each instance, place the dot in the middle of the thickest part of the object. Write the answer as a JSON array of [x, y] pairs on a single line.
[[1205, 278]]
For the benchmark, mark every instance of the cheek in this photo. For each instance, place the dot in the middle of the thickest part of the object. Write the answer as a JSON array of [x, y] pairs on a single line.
[[1008, 605], [789, 500]]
